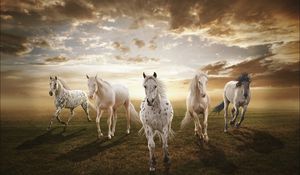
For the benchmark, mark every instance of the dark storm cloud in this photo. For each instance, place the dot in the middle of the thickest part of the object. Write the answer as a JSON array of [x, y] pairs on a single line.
[[20, 45], [264, 70]]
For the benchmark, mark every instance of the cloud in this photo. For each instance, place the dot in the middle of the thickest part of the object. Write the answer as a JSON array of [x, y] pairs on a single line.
[[139, 43], [14, 44], [136, 59], [57, 59], [119, 46]]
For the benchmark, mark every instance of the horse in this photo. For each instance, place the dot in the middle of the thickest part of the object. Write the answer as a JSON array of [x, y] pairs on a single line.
[[197, 103], [238, 93], [66, 98], [110, 97], [156, 115]]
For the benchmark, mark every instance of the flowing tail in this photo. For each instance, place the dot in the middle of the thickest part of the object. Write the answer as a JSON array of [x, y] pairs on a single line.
[[186, 120], [219, 108], [134, 116], [91, 104]]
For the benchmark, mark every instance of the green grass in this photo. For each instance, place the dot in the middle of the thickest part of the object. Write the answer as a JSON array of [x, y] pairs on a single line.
[[267, 143]]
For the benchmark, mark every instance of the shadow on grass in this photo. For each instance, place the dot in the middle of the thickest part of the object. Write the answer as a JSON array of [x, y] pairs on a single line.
[[212, 156], [259, 141], [210, 159], [91, 149], [49, 138]]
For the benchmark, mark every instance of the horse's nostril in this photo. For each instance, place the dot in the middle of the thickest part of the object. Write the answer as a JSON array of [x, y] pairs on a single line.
[[203, 95], [50, 93], [245, 95], [152, 100]]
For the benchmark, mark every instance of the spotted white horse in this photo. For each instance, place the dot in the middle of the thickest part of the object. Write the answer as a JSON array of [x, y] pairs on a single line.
[[156, 115], [197, 103], [110, 97], [66, 98]]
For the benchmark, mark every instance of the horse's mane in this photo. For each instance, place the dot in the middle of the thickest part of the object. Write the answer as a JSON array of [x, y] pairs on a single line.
[[63, 83], [244, 77], [194, 83], [102, 81], [160, 85]]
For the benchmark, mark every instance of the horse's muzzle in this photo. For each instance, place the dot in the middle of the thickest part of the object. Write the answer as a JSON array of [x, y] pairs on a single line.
[[150, 103], [245, 95], [50, 93]]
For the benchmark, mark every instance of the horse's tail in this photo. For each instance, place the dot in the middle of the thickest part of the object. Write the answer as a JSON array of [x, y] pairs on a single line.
[[186, 120], [134, 116], [219, 108], [91, 104]]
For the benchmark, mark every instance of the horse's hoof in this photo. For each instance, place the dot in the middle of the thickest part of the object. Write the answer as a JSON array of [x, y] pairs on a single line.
[[89, 120], [109, 137], [100, 135], [112, 134], [237, 126], [152, 169], [231, 123], [128, 132], [225, 130]]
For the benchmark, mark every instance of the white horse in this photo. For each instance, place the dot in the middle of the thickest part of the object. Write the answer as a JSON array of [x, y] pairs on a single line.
[[197, 102], [110, 97], [156, 115], [66, 98], [238, 93]]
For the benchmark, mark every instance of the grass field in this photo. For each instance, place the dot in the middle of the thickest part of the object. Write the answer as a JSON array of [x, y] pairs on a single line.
[[267, 143]]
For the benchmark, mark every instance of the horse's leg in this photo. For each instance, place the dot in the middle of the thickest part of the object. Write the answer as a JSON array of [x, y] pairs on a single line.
[[99, 115], [164, 137], [151, 146], [242, 116], [127, 107], [232, 116], [85, 107], [52, 118], [58, 110], [236, 114], [70, 118], [114, 122], [197, 121], [109, 121], [205, 124], [226, 104]]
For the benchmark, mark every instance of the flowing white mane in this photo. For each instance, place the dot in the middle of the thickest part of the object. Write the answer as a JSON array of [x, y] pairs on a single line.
[[160, 85], [194, 83], [63, 83]]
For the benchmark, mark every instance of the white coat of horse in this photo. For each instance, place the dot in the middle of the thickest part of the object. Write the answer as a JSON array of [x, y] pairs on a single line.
[[110, 97], [238, 93], [156, 115], [66, 98], [197, 103]]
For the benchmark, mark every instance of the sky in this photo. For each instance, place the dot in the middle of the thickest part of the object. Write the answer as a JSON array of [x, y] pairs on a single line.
[[119, 40]]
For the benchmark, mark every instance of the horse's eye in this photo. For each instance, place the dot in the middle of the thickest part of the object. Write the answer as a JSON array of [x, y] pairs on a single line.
[[155, 87], [145, 86]]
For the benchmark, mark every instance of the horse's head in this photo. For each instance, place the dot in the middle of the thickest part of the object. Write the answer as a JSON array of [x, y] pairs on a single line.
[[53, 85], [244, 81], [151, 88], [92, 85], [201, 83]]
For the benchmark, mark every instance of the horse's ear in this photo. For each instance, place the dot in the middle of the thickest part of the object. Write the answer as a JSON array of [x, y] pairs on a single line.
[[154, 74], [55, 77], [87, 76], [96, 75], [238, 84], [51, 78], [144, 75], [206, 72]]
